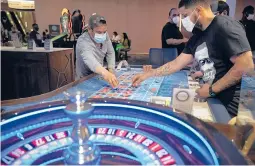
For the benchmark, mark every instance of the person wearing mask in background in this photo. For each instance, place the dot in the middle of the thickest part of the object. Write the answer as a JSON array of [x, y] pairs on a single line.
[[221, 49], [171, 36], [249, 25], [91, 49], [35, 35], [222, 10]]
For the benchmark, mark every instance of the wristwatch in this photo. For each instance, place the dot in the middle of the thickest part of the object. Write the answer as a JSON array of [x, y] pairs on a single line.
[[211, 93]]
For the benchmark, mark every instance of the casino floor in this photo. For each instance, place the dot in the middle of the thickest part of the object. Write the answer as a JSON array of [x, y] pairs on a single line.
[[127, 124]]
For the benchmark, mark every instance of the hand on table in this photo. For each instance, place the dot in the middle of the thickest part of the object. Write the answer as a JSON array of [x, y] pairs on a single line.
[[197, 74], [203, 92], [139, 78], [111, 79]]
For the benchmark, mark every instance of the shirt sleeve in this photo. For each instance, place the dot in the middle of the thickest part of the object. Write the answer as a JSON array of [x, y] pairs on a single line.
[[232, 39], [189, 48], [88, 57], [110, 54], [168, 32]]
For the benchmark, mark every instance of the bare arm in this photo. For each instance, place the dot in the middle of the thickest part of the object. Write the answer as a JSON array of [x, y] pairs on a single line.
[[175, 41], [243, 64], [171, 67]]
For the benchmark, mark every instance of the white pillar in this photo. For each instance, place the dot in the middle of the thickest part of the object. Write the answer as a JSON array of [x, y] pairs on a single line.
[[232, 5]]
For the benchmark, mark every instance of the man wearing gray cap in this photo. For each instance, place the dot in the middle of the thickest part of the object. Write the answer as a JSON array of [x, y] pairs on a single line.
[[91, 49]]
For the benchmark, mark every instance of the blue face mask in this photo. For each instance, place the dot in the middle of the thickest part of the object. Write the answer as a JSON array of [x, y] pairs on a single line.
[[100, 38]]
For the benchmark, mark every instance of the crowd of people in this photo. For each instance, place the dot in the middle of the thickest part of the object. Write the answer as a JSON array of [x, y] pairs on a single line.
[[7, 35]]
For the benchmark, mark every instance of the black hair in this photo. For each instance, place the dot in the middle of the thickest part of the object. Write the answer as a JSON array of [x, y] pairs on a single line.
[[248, 10], [223, 6], [171, 11], [33, 25], [115, 33], [125, 36], [190, 3], [76, 11]]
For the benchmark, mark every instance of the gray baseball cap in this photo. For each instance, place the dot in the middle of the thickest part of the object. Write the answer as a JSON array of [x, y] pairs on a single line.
[[96, 20]]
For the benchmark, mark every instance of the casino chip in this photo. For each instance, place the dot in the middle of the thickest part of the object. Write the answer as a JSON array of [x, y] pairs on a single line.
[[153, 90]]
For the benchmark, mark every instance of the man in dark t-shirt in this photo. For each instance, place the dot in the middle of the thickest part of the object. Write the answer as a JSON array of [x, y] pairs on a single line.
[[35, 35], [171, 36], [221, 49]]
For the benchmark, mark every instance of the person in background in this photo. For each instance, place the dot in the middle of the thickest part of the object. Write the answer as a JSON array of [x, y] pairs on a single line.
[[44, 36], [123, 46], [77, 23], [91, 49], [115, 41], [222, 10], [16, 31], [47, 34], [221, 49], [116, 37], [171, 36], [249, 25], [35, 35], [4, 35]]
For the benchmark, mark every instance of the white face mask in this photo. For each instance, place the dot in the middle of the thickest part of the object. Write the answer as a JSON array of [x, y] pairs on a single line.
[[250, 17], [100, 38], [188, 24], [176, 20]]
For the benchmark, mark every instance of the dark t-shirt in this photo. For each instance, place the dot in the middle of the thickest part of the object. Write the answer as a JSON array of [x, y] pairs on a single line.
[[36, 37], [249, 26], [213, 48], [171, 31]]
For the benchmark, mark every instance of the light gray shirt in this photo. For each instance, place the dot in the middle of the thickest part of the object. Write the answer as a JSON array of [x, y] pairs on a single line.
[[89, 56]]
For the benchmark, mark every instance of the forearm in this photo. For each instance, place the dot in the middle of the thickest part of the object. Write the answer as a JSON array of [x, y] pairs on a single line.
[[166, 69], [174, 41], [235, 74], [173, 66], [230, 79], [100, 70]]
